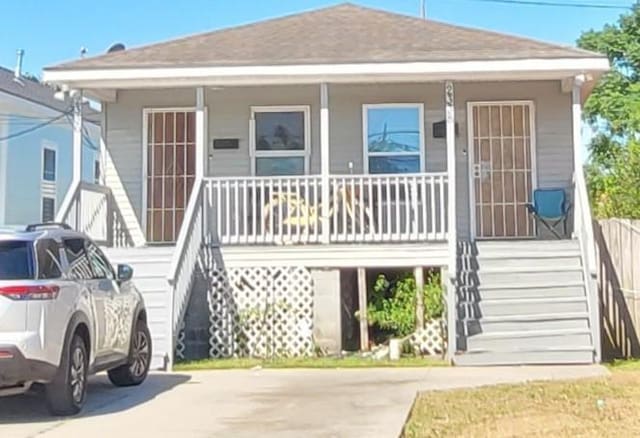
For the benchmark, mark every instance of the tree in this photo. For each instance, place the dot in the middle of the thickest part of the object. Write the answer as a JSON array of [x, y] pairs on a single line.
[[613, 170]]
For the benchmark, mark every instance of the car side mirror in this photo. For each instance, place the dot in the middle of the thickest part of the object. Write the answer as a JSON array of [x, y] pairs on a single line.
[[125, 272]]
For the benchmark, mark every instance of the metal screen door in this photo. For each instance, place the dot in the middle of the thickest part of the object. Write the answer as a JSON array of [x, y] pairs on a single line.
[[170, 153], [503, 168]]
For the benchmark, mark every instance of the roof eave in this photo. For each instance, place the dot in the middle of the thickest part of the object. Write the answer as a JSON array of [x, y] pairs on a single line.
[[140, 77]]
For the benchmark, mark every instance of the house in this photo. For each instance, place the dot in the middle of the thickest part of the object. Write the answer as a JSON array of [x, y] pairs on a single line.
[[258, 171], [36, 149]]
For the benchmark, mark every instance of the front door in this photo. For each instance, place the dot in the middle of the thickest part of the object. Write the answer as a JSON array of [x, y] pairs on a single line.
[[502, 169], [170, 154]]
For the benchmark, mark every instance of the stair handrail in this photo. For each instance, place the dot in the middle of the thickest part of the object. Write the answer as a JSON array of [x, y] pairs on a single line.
[[184, 262], [584, 232], [70, 198]]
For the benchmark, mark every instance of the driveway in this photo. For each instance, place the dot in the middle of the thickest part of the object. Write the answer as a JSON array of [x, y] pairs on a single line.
[[249, 403]]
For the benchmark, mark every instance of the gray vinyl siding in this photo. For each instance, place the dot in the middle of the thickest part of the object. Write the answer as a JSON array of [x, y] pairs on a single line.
[[229, 111]]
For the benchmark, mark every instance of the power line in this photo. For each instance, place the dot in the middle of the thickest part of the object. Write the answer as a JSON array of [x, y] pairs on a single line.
[[563, 4], [33, 128]]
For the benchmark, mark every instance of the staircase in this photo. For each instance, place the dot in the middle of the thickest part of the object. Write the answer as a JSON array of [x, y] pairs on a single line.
[[523, 302], [150, 268]]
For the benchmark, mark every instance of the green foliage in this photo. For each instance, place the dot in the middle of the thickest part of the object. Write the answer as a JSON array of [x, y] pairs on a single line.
[[392, 303], [613, 171]]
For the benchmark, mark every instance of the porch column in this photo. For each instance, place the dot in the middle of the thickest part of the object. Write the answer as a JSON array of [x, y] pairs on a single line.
[[452, 269], [77, 139], [576, 110], [324, 159], [201, 139]]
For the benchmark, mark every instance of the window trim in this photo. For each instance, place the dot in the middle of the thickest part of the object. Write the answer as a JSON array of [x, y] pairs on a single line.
[[52, 148], [365, 128], [254, 154], [42, 198]]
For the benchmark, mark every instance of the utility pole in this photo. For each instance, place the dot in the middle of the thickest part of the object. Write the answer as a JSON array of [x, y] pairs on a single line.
[[423, 9]]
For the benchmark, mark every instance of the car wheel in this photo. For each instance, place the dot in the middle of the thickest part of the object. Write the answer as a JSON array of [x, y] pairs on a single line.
[[66, 393], [135, 371]]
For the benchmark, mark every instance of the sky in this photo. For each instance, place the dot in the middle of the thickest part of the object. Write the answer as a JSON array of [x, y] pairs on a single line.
[[52, 31]]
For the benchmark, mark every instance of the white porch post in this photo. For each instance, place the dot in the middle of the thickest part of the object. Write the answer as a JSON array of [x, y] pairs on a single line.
[[201, 139], [324, 159], [576, 111], [77, 140], [452, 269]]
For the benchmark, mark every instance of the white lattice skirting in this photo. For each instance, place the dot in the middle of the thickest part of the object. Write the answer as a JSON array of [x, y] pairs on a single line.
[[430, 339], [261, 312]]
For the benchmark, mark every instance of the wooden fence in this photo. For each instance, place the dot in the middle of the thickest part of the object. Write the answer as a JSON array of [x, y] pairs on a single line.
[[618, 244]]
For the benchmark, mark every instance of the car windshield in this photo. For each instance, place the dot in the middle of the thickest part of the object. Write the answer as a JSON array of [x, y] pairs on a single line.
[[15, 260]]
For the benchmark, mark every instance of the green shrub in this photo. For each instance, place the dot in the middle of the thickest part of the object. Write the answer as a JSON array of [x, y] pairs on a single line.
[[392, 303]]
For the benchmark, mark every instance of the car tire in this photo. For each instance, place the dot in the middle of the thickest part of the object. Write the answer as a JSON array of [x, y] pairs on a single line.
[[67, 391], [135, 371]]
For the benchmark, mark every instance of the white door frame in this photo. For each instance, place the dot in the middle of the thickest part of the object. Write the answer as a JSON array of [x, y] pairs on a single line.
[[145, 121], [470, 161]]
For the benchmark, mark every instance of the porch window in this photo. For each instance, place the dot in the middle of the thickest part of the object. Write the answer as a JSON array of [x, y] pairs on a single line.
[[280, 140], [393, 138]]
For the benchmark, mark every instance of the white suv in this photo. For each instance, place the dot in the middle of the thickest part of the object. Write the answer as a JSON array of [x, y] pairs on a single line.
[[65, 313]]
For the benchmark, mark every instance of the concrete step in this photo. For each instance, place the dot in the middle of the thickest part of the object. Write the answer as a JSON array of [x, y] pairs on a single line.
[[529, 263], [508, 323], [548, 356], [522, 306], [568, 291], [505, 341], [151, 268], [530, 278]]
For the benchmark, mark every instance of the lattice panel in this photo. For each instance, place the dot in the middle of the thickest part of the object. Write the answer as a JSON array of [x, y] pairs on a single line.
[[430, 339], [261, 312]]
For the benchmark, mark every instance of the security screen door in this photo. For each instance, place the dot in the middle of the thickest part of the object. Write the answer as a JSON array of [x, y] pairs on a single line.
[[503, 168], [170, 153]]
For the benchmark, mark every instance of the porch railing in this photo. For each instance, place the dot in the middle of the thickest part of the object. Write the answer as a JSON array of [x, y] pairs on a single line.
[[360, 208], [90, 208]]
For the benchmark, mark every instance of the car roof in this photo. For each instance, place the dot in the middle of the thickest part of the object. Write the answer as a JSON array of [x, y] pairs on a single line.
[[23, 234]]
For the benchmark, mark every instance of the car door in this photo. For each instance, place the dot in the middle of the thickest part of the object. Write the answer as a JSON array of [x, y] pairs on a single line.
[[80, 270], [117, 315]]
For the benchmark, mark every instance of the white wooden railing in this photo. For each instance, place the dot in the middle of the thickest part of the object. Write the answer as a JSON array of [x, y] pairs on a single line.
[[584, 232], [185, 260], [89, 208], [361, 208]]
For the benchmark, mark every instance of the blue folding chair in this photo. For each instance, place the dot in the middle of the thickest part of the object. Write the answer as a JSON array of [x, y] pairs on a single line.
[[550, 208]]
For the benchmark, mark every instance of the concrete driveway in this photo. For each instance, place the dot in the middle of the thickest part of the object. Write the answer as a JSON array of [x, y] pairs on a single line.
[[249, 403]]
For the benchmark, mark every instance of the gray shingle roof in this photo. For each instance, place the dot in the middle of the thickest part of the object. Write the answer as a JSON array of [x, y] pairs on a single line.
[[341, 34], [39, 93]]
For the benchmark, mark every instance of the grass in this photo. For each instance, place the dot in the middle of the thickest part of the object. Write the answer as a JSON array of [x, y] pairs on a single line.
[[608, 406], [307, 362]]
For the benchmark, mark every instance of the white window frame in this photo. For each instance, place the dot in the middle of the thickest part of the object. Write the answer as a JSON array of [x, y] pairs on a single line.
[[42, 198], [365, 136], [306, 153], [54, 149]]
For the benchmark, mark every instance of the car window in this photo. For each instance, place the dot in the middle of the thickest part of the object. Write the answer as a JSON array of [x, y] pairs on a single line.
[[79, 266], [15, 260], [48, 257], [99, 263]]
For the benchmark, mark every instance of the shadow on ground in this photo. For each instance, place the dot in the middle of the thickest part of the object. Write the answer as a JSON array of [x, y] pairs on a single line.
[[102, 398]]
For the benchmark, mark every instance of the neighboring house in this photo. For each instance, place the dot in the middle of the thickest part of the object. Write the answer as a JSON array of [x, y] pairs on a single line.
[[263, 169], [36, 149]]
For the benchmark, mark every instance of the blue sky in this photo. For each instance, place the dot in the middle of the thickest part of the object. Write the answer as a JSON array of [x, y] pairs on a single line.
[[54, 31]]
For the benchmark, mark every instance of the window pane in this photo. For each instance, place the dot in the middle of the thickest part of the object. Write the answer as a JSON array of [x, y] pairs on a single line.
[[280, 131], [393, 129], [15, 261], [48, 254], [100, 265], [48, 209], [395, 164], [279, 166], [49, 165], [79, 268]]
